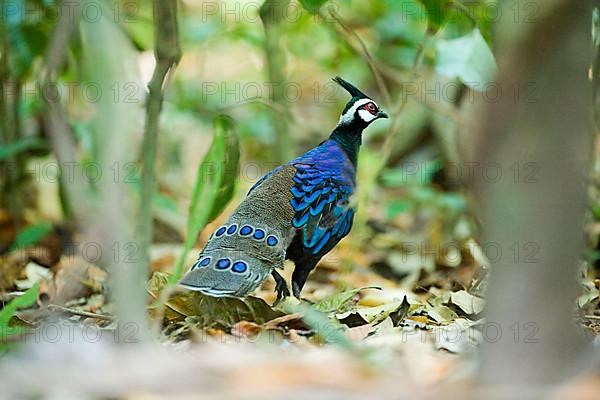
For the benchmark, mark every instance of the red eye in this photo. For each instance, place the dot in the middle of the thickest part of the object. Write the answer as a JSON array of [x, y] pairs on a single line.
[[371, 107]]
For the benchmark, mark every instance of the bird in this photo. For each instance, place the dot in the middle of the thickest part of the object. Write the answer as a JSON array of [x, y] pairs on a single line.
[[299, 211]]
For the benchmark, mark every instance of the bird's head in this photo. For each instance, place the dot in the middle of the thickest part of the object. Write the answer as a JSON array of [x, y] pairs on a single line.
[[361, 110]]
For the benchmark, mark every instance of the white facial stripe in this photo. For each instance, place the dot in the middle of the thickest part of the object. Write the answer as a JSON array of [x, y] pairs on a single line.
[[348, 116], [366, 116]]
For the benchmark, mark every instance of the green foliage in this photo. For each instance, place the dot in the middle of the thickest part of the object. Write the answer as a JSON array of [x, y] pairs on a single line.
[[313, 6], [436, 13], [468, 58], [136, 20], [31, 235], [7, 313], [27, 33], [596, 27], [20, 146], [420, 192], [228, 168], [214, 184], [397, 207]]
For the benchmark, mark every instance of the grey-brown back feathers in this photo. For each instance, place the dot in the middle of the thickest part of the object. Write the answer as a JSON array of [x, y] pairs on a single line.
[[240, 254]]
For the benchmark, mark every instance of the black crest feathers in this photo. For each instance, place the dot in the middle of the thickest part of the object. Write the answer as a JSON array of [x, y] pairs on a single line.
[[353, 90]]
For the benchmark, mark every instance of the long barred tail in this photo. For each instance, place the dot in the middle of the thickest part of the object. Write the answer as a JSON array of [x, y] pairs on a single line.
[[241, 253], [230, 273]]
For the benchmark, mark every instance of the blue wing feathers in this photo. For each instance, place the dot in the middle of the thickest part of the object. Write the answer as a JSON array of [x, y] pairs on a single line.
[[299, 205], [309, 198], [316, 236], [324, 240], [323, 184], [297, 192], [300, 220], [316, 210]]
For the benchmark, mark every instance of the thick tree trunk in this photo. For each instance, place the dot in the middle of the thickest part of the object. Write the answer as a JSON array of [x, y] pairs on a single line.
[[534, 213]]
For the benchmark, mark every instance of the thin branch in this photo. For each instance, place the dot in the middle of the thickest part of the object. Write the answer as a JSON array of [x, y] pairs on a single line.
[[4, 78], [168, 54], [379, 70], [256, 100], [271, 14], [87, 314], [366, 55]]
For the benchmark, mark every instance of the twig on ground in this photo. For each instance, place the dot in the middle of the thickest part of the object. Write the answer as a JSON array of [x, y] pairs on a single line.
[[56, 307]]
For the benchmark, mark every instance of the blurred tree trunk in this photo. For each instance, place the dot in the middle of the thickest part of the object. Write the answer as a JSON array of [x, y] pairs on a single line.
[[271, 14], [534, 213], [104, 212]]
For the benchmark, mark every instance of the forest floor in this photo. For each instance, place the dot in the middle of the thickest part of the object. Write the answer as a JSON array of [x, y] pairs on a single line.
[[360, 331]]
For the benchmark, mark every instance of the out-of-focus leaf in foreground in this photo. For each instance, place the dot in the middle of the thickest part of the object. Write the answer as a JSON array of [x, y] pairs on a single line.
[[20, 146], [436, 13], [214, 184], [468, 58], [312, 6], [31, 235], [27, 299]]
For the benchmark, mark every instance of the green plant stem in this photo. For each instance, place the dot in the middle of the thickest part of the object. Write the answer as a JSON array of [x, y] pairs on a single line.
[[271, 13], [364, 50], [168, 54], [15, 204], [4, 77]]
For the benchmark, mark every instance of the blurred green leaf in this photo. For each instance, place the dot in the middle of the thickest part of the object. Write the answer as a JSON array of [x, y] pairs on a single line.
[[596, 211], [135, 17], [27, 299], [312, 6], [468, 58], [164, 202], [213, 187], [27, 33], [436, 13], [21, 145], [453, 201], [596, 27], [228, 168], [31, 235], [397, 207]]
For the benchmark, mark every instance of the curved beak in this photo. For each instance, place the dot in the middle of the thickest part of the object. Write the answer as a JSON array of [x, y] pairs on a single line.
[[381, 114]]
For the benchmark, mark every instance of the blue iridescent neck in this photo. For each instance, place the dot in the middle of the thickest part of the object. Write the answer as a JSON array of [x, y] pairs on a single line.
[[349, 137]]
